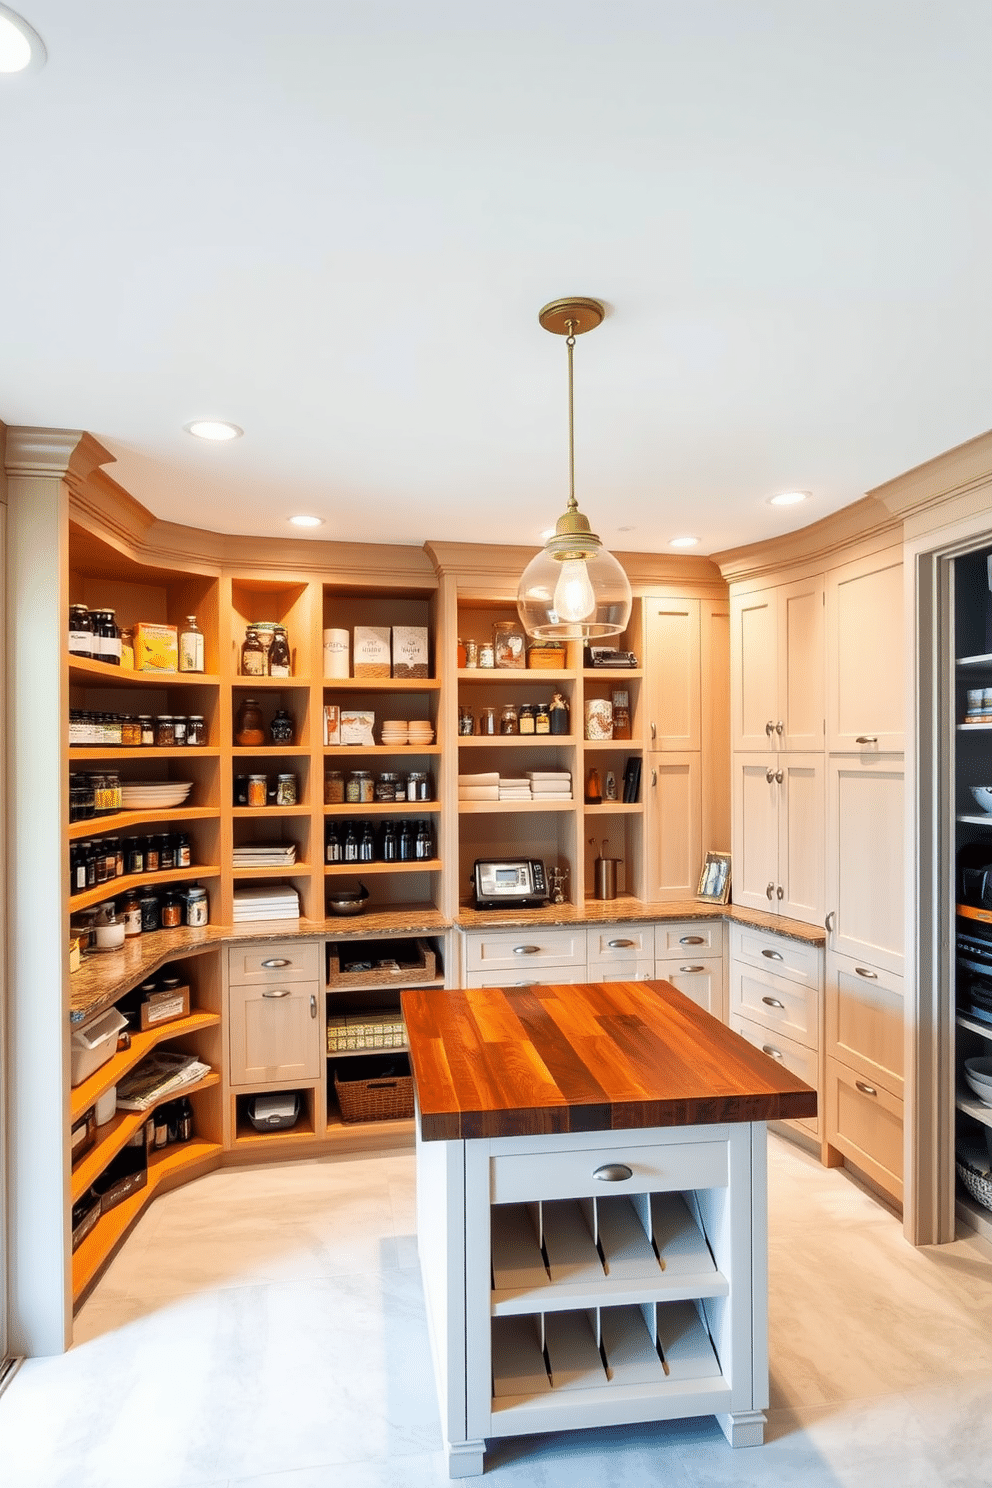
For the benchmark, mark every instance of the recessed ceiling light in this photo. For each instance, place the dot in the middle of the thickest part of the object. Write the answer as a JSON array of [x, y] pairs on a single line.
[[214, 429], [683, 542], [626, 529], [789, 498], [21, 48], [303, 521]]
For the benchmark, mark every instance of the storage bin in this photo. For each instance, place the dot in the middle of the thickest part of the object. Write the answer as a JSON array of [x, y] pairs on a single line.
[[415, 962], [92, 1046], [373, 1089]]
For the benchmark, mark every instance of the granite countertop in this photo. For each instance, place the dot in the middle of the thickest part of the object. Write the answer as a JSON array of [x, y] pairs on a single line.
[[593, 1056]]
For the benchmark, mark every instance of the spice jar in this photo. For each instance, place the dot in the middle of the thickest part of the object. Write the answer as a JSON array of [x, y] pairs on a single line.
[[179, 728], [487, 654], [165, 731], [254, 659], [131, 733], [257, 790], [385, 786], [418, 786], [286, 790], [509, 719], [333, 787], [196, 729], [134, 855], [184, 855], [471, 653], [359, 787], [147, 723], [621, 713], [281, 728], [172, 911], [542, 719], [487, 720], [131, 913], [151, 854], [466, 719], [528, 723], [151, 912], [191, 646], [248, 727], [197, 906]]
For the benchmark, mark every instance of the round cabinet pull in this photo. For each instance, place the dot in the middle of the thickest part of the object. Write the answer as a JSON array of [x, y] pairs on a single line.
[[769, 774], [613, 1173], [692, 968], [865, 1089], [771, 1051], [277, 961], [769, 889], [526, 950], [773, 1002], [863, 971], [770, 727], [692, 940], [619, 945], [773, 955], [780, 728], [277, 992], [867, 739], [779, 777]]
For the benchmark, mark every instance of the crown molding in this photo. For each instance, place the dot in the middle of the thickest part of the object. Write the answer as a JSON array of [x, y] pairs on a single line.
[[55, 452], [943, 479], [867, 518]]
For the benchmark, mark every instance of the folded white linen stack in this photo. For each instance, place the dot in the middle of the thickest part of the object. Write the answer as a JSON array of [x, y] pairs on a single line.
[[550, 785], [483, 787], [512, 788], [278, 902]]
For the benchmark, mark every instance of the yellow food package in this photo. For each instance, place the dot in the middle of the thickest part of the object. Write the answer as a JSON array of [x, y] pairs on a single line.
[[156, 648]]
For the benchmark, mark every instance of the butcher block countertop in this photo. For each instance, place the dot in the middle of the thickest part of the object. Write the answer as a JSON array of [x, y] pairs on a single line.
[[597, 1056]]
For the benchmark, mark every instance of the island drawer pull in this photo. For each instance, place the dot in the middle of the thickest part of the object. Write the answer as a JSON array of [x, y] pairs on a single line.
[[692, 968], [613, 1173], [771, 1050], [278, 992], [865, 1089], [867, 739], [617, 945], [773, 955], [526, 950], [692, 940], [277, 961], [773, 1002], [864, 971]]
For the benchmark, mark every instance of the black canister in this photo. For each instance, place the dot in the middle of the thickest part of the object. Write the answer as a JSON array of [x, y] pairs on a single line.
[[151, 912]]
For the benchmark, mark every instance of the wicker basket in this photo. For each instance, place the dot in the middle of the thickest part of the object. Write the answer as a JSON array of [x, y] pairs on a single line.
[[366, 1095], [415, 962], [978, 1186]]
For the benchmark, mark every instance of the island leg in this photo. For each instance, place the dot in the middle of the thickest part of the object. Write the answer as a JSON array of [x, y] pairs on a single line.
[[743, 1428], [465, 1459]]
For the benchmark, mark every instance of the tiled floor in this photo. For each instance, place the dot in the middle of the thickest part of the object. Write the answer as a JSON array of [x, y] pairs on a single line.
[[265, 1329]]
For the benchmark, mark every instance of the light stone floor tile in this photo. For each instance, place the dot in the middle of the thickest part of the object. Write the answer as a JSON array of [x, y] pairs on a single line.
[[264, 1328]]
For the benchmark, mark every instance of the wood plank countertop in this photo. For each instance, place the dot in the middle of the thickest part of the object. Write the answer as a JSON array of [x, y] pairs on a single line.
[[596, 1056]]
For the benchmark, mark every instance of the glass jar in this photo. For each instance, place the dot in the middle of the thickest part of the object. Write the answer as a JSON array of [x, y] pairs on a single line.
[[333, 787], [134, 854], [131, 733], [418, 786], [172, 911], [127, 647], [542, 719], [179, 728], [359, 787], [151, 855], [196, 729], [191, 646], [147, 723], [151, 912], [254, 658], [81, 800], [166, 853], [113, 728], [105, 627], [80, 632], [281, 728], [197, 906], [280, 663], [165, 732], [487, 720], [249, 730], [487, 654], [241, 790], [466, 720], [386, 786], [286, 790], [560, 722], [509, 719], [527, 721], [131, 913], [257, 789], [471, 653]]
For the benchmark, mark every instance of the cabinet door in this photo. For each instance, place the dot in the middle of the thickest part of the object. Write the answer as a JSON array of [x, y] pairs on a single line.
[[865, 1020], [864, 1122], [865, 860], [754, 652], [865, 654], [755, 835], [800, 665], [799, 889], [673, 806], [274, 1033], [701, 980], [672, 669]]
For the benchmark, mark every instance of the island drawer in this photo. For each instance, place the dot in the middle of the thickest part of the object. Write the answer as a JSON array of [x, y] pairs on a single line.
[[609, 943], [528, 946], [279, 961], [776, 953], [776, 1003], [677, 939], [572, 1174], [539, 976]]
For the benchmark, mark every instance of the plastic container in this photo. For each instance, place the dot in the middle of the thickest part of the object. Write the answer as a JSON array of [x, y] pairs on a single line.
[[106, 1106], [92, 1046]]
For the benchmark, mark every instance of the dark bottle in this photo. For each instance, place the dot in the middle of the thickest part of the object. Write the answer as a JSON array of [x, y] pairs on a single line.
[[111, 648], [172, 1118], [366, 847], [594, 791], [184, 856], [407, 843], [423, 845], [185, 1121], [350, 845], [559, 714], [166, 853], [280, 664], [332, 844], [162, 1126], [80, 631], [389, 843], [281, 728]]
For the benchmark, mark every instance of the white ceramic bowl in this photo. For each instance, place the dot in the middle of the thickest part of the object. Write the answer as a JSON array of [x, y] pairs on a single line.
[[978, 1073], [983, 795]]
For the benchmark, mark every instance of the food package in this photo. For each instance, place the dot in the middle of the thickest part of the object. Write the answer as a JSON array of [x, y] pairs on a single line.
[[332, 723], [371, 652], [410, 651], [156, 648], [356, 726]]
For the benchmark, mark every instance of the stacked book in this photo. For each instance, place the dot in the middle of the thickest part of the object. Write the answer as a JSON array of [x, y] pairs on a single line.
[[265, 855], [550, 785], [158, 1075], [273, 902], [483, 787]]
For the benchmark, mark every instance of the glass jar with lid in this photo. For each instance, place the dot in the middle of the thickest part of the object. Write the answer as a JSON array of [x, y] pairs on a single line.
[[509, 719], [359, 787], [130, 733], [333, 787], [179, 722], [165, 732], [418, 786], [147, 724], [281, 728], [197, 906], [196, 729], [254, 657], [249, 729], [172, 910], [191, 646], [131, 913], [286, 789], [527, 720], [280, 662], [80, 632]]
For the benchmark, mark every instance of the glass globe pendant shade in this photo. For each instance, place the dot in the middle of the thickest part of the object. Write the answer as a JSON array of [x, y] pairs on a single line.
[[573, 598]]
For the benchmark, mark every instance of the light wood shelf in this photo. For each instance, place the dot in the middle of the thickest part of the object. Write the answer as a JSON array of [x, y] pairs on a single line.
[[361, 752], [381, 808], [118, 1132], [353, 870], [115, 752], [262, 813], [81, 1097], [515, 741], [269, 684], [93, 826], [116, 886], [508, 808], [381, 684], [101, 674], [246, 751]]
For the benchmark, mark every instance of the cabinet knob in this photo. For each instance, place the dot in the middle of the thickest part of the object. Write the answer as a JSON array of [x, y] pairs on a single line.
[[277, 961], [770, 727], [691, 939], [771, 1050], [613, 1173], [526, 950], [779, 777], [780, 728], [313, 1005], [770, 889], [769, 774], [773, 1002], [773, 955], [865, 1089], [864, 971], [654, 777], [276, 992], [867, 739], [619, 945], [780, 892], [692, 968], [654, 731]]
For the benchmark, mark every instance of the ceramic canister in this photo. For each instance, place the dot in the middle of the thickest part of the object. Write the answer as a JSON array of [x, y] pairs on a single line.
[[337, 653]]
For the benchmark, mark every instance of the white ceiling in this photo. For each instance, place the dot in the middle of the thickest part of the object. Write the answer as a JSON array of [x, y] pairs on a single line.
[[335, 223]]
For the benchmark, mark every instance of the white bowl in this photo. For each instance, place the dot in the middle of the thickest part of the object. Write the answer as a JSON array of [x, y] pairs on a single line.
[[978, 1073], [983, 795]]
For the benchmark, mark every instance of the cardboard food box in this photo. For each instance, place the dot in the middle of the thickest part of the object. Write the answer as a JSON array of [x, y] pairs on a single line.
[[371, 655], [410, 651], [332, 723], [164, 1007], [356, 726], [156, 648]]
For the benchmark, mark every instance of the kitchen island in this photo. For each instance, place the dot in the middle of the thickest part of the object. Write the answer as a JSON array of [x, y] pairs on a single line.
[[591, 1209]]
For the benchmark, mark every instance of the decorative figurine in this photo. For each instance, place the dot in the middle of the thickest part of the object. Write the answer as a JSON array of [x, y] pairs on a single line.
[[558, 877]]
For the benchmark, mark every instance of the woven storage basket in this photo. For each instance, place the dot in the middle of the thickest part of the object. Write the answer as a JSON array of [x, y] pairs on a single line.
[[380, 1097], [978, 1186]]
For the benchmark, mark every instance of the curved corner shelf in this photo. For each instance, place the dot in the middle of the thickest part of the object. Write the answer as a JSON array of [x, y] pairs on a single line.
[[381, 684], [114, 886], [102, 674], [93, 826]]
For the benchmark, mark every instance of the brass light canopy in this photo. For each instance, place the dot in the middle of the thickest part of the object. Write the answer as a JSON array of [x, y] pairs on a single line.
[[574, 589]]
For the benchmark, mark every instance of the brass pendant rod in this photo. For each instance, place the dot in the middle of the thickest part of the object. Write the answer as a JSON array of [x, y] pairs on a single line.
[[570, 343]]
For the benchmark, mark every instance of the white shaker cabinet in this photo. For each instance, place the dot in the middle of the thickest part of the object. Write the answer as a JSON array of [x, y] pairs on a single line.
[[865, 654], [776, 667], [672, 668], [865, 859], [778, 834], [673, 806]]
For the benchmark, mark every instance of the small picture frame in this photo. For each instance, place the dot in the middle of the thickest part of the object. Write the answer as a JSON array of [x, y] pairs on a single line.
[[714, 880]]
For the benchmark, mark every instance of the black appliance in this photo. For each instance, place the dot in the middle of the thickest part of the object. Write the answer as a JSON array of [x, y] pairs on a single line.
[[975, 875], [974, 969]]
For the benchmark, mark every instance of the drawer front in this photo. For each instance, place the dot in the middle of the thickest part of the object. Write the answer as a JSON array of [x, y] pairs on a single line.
[[864, 1122], [608, 943], [572, 1174], [786, 958], [278, 961], [794, 1057], [701, 980], [622, 971], [513, 949], [775, 1003], [527, 976], [865, 1019], [688, 939]]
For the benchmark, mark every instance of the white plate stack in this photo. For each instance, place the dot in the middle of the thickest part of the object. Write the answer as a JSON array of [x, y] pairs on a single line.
[[420, 732], [154, 795], [272, 902]]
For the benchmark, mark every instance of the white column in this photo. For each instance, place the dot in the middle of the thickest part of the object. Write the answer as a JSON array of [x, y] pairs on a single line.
[[36, 682]]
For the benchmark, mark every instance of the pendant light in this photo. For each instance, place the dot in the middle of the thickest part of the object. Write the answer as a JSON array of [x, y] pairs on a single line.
[[574, 589]]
